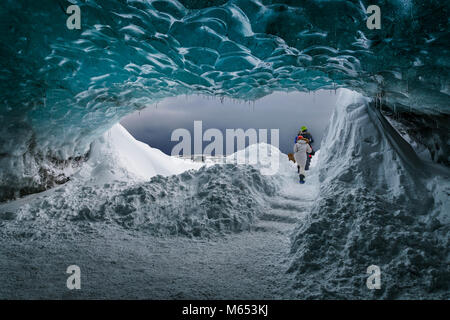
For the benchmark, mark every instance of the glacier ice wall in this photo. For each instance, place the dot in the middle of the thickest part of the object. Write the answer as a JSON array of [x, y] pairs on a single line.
[[375, 208], [61, 88]]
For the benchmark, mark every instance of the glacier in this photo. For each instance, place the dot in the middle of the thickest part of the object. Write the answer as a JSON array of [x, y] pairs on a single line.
[[64, 91], [63, 88]]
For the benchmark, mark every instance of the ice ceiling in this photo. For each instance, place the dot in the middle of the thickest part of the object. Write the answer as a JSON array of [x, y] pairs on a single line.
[[73, 84]]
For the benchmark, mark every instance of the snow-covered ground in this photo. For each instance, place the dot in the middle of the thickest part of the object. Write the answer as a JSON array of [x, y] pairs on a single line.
[[124, 263], [141, 224]]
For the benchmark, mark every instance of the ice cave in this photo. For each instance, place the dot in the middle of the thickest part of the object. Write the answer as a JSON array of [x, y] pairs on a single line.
[[74, 183]]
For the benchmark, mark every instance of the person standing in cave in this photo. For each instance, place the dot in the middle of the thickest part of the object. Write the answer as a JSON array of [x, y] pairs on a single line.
[[304, 133], [301, 150]]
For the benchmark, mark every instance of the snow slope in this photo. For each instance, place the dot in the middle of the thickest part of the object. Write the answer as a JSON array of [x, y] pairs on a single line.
[[374, 208], [127, 157]]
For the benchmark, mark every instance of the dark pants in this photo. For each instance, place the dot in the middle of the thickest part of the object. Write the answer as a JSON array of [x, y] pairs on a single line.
[[308, 161]]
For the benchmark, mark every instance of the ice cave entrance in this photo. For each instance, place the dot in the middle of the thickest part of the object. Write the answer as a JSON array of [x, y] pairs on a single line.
[[158, 125]]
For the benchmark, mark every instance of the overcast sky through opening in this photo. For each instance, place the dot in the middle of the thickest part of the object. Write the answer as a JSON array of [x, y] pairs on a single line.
[[284, 111]]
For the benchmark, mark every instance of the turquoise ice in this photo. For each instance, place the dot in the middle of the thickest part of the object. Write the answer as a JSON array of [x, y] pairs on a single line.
[[61, 90]]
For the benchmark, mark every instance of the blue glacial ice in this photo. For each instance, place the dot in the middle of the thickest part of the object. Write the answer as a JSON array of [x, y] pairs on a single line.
[[62, 88], [378, 203]]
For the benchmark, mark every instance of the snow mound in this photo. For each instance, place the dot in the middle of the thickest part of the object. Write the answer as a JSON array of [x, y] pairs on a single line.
[[221, 198], [373, 209], [142, 160], [195, 203], [266, 157], [119, 156]]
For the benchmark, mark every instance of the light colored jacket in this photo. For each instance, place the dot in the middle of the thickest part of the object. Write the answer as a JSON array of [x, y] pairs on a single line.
[[300, 150]]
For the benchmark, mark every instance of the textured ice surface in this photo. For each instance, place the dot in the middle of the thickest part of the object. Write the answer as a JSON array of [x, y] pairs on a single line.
[[61, 88], [376, 207], [428, 135]]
